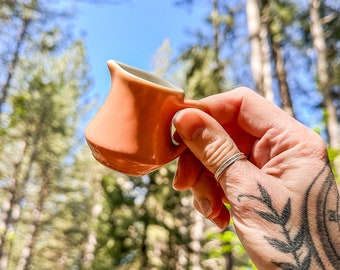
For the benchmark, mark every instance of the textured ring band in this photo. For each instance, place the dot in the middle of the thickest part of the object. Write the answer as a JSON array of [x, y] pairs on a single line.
[[228, 163]]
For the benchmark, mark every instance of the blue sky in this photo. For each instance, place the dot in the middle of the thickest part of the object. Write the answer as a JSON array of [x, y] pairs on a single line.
[[131, 32]]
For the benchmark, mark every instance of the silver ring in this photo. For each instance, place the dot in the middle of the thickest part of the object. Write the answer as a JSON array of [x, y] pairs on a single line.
[[228, 163]]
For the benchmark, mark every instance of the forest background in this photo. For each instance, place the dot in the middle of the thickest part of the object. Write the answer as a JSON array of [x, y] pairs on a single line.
[[60, 209]]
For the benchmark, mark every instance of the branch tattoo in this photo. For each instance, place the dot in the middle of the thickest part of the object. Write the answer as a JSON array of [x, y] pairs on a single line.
[[315, 243]]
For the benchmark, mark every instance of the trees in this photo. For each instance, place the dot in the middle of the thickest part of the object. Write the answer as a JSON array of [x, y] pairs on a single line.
[[259, 49], [40, 93], [14, 16], [324, 68], [279, 16], [145, 224], [204, 61], [62, 210], [277, 53], [280, 41], [267, 23], [206, 72], [39, 132]]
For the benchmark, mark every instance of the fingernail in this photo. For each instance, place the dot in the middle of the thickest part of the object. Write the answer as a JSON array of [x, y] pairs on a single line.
[[189, 124], [175, 181], [222, 224], [223, 219], [197, 133], [175, 138], [205, 206]]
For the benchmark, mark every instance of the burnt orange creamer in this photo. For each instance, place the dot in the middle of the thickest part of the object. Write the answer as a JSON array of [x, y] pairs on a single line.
[[131, 133]]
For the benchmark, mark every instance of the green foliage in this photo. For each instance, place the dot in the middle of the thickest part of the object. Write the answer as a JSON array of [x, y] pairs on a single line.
[[43, 119], [115, 242], [62, 210], [280, 15], [333, 155], [204, 76], [141, 217], [229, 247], [203, 64], [45, 218]]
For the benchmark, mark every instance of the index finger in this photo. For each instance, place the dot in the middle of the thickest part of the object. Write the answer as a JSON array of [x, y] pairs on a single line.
[[244, 108], [259, 128]]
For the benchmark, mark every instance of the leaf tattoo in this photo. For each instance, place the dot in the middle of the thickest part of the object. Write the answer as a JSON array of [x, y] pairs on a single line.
[[315, 244], [290, 244]]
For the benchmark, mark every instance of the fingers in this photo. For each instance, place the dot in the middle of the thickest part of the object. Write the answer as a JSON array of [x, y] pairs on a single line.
[[258, 127], [239, 120], [209, 147], [247, 110], [208, 200], [209, 197], [212, 146], [205, 138], [189, 169]]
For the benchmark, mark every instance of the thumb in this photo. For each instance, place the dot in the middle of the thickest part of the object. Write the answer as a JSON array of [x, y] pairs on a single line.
[[205, 137], [212, 145]]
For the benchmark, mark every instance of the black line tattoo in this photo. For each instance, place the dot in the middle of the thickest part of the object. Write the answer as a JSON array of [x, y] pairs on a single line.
[[308, 246]]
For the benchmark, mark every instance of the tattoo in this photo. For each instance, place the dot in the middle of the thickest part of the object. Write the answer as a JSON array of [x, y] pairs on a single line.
[[333, 216], [315, 244]]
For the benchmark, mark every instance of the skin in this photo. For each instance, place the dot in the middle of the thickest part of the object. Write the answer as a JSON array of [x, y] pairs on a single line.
[[283, 197]]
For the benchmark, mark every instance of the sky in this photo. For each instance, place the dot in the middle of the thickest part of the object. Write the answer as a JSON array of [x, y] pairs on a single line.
[[131, 31]]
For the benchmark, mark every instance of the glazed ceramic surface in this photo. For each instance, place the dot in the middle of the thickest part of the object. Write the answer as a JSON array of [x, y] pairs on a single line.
[[131, 133]]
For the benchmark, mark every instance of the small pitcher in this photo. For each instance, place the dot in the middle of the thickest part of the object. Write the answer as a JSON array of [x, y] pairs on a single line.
[[131, 133]]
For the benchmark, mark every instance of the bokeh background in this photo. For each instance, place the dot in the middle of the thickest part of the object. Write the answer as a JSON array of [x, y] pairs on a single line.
[[59, 208]]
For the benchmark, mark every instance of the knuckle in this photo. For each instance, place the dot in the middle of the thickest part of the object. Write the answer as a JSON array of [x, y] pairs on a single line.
[[215, 153]]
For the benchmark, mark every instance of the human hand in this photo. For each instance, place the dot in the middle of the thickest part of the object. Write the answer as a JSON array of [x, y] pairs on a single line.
[[284, 200]]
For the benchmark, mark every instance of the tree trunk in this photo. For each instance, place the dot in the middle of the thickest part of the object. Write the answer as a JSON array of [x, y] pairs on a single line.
[[144, 245], [254, 27], [20, 178], [215, 15], [26, 255], [319, 44], [281, 74], [259, 50], [12, 215], [91, 238], [11, 67], [229, 260]]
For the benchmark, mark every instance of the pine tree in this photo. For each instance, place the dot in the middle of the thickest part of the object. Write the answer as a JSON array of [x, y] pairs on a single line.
[[41, 87]]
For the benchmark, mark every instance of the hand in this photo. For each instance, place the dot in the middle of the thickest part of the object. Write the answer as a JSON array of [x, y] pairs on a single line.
[[284, 200]]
